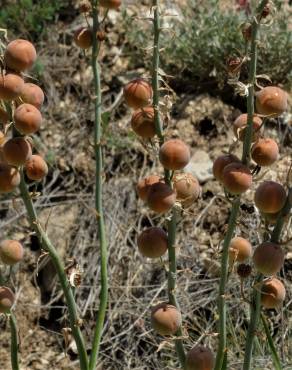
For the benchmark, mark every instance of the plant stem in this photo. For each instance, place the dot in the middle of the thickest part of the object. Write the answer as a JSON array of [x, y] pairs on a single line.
[[67, 290], [275, 357], [222, 347], [172, 273], [98, 192], [14, 342]]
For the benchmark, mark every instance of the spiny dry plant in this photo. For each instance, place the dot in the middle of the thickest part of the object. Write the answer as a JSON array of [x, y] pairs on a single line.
[[168, 195]]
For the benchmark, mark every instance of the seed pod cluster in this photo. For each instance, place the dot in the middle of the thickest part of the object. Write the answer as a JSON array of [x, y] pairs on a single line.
[[27, 98]]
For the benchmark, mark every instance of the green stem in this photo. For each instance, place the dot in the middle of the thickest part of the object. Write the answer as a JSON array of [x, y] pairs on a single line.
[[275, 357], [98, 193], [172, 273], [67, 290], [222, 346], [14, 342]]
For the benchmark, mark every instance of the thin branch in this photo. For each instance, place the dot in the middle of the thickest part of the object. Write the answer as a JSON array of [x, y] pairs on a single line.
[[14, 342], [275, 357]]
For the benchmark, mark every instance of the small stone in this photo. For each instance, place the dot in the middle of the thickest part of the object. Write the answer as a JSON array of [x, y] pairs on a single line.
[[200, 166]]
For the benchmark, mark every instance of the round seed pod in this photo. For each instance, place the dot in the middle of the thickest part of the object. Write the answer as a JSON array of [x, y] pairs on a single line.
[[110, 4], [236, 178], [32, 94], [6, 299], [270, 197], [27, 119], [152, 242], [221, 162], [4, 117], [244, 270], [161, 197], [138, 93], [83, 37], [187, 188], [268, 258], [200, 358], [265, 152], [165, 319], [9, 178], [271, 101], [10, 86], [273, 293], [11, 252], [144, 185], [20, 55], [174, 154], [17, 151], [240, 124], [143, 122], [240, 250], [36, 168]]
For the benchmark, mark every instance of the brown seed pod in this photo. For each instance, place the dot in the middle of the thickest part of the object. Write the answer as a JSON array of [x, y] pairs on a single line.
[[36, 168], [9, 178], [187, 188], [244, 270], [144, 185], [4, 117], [138, 93], [6, 299], [83, 37], [20, 55], [270, 197], [221, 162], [200, 358], [236, 178], [110, 4], [174, 154], [165, 319], [85, 7], [233, 64], [142, 122], [17, 151], [11, 86], [152, 242], [161, 197], [27, 119], [271, 101], [268, 258], [265, 152], [32, 94], [240, 250], [273, 293], [11, 252], [240, 124]]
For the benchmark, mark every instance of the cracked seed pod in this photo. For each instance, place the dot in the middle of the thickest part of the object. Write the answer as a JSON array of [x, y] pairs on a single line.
[[83, 37], [138, 93], [161, 197], [143, 124], [221, 162], [200, 358], [11, 86], [144, 185], [240, 124], [236, 178], [273, 293], [7, 299], [9, 178], [271, 101], [152, 242], [27, 119], [265, 152], [174, 154], [187, 188], [268, 258], [270, 197], [20, 55], [240, 250], [32, 94], [244, 270], [11, 252], [165, 319], [17, 151]]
